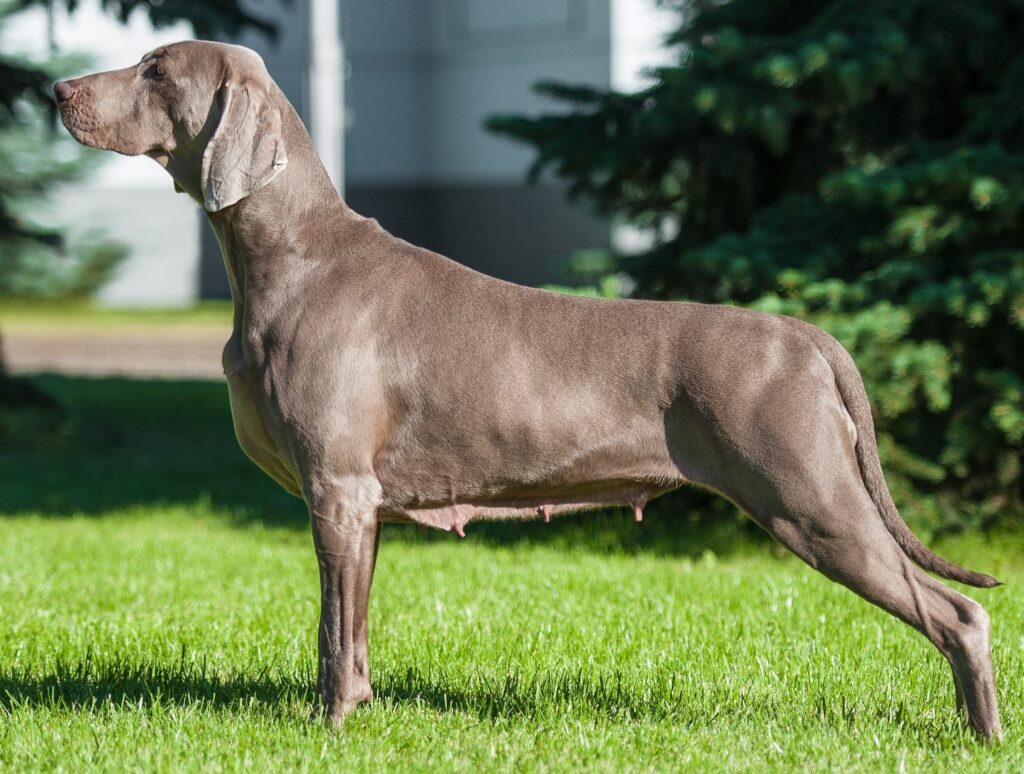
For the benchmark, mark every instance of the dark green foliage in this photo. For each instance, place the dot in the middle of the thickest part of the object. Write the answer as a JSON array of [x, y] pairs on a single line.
[[856, 163], [17, 79], [209, 18], [35, 259]]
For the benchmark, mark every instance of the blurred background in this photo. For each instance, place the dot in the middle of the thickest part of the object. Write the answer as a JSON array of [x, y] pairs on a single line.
[[395, 94], [859, 165]]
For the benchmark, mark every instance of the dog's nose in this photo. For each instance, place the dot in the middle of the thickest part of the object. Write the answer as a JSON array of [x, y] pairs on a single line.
[[64, 90]]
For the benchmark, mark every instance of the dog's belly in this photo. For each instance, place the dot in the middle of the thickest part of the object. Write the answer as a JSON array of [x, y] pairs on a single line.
[[540, 474], [454, 517]]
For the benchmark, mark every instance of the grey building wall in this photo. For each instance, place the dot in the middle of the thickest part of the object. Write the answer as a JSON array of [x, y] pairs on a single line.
[[514, 232], [425, 74]]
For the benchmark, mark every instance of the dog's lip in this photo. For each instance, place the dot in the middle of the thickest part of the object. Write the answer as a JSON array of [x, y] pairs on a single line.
[[160, 156], [69, 122], [81, 134], [67, 109], [72, 112]]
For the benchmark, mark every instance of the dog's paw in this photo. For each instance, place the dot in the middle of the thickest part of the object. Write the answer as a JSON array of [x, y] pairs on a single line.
[[333, 711]]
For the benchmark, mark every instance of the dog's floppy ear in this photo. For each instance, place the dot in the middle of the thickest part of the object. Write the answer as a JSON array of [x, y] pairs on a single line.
[[246, 151]]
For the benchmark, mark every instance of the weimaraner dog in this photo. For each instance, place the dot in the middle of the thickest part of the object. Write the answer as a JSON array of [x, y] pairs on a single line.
[[381, 382]]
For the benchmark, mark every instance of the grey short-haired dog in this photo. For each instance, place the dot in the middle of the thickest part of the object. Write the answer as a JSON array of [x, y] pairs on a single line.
[[381, 382]]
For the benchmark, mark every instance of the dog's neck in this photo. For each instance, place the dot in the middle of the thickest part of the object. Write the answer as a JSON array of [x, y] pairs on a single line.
[[259, 235]]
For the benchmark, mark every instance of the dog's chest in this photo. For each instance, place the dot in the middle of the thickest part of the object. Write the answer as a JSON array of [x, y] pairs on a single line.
[[256, 426]]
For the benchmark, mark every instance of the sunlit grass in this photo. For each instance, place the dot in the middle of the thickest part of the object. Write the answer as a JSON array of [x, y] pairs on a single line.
[[173, 636]]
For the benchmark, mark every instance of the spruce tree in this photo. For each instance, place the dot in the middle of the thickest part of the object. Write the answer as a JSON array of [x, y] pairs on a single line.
[[35, 262], [857, 163]]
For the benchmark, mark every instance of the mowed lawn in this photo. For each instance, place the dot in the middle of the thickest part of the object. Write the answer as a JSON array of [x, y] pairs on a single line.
[[158, 608]]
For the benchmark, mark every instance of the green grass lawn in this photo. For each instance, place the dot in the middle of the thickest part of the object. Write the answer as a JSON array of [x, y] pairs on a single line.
[[158, 600]]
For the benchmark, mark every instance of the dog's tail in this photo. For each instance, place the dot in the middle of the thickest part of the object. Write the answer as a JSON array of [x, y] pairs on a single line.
[[854, 396]]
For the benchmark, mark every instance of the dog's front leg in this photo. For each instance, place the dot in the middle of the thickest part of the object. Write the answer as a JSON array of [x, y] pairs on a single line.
[[345, 535]]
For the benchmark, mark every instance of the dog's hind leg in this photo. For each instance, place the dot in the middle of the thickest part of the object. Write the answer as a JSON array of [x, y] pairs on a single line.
[[833, 525], [792, 443]]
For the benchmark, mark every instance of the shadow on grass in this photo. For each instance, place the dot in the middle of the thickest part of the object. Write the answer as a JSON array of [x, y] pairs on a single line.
[[139, 443], [87, 685], [658, 696]]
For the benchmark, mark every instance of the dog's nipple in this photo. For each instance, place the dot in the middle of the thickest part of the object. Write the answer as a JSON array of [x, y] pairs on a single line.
[[638, 513], [545, 511], [458, 530]]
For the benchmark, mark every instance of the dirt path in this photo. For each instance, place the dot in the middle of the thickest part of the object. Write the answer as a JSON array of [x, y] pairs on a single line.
[[171, 353]]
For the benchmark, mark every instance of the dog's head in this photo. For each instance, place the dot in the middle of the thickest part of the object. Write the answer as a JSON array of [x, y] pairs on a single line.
[[209, 113]]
